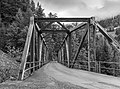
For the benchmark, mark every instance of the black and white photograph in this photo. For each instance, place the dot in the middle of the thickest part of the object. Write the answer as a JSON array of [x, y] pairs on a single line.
[[59, 44]]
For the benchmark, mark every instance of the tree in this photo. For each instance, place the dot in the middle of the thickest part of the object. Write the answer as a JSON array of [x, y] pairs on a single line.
[[39, 11], [14, 27], [51, 15], [32, 5], [114, 21], [9, 8]]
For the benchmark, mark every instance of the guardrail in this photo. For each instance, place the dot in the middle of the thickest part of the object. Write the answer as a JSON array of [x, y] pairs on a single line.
[[109, 68], [30, 66]]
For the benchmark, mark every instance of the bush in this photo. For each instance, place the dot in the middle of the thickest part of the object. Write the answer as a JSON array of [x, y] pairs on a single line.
[[8, 67], [8, 73]]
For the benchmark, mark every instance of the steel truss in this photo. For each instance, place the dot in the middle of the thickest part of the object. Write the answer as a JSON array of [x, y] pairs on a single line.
[[36, 47]]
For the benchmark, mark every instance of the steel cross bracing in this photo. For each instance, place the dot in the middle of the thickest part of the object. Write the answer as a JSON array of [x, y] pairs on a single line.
[[36, 53]]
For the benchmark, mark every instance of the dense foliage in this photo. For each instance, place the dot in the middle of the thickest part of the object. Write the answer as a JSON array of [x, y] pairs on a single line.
[[111, 22], [14, 22]]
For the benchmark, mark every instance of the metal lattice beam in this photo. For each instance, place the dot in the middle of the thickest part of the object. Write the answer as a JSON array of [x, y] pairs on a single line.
[[80, 46], [42, 37], [46, 25], [78, 27], [62, 19], [62, 25], [26, 49], [52, 31]]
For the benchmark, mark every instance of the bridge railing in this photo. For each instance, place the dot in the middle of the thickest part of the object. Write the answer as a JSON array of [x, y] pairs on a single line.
[[34, 55], [110, 68]]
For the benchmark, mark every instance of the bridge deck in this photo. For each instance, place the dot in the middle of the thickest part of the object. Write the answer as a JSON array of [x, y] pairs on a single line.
[[56, 76], [82, 78]]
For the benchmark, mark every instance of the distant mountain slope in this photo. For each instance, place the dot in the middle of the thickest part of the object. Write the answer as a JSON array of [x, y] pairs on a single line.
[[113, 26], [110, 22]]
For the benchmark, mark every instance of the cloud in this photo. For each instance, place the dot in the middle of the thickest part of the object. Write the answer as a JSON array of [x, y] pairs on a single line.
[[61, 4], [111, 8], [113, 0], [94, 4], [82, 8]]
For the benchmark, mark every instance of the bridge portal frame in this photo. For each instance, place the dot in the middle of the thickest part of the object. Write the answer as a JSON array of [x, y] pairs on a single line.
[[31, 40]]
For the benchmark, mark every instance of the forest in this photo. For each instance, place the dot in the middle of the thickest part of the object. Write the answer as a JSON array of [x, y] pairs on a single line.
[[14, 21]]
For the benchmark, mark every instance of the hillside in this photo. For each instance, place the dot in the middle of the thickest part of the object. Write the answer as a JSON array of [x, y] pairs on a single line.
[[111, 22], [8, 67]]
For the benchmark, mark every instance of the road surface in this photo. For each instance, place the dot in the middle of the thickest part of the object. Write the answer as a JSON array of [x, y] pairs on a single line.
[[56, 76]]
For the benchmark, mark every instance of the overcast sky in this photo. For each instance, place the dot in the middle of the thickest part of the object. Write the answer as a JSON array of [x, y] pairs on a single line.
[[81, 8]]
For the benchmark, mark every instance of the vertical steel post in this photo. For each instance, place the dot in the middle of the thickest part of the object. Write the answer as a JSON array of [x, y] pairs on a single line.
[[59, 56], [94, 42], [38, 48], [99, 64], [69, 44], [67, 50], [47, 54], [62, 55], [40, 53], [44, 54], [88, 27], [33, 40]]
